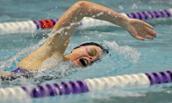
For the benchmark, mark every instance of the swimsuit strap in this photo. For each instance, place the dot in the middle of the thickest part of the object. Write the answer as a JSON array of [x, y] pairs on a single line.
[[19, 70]]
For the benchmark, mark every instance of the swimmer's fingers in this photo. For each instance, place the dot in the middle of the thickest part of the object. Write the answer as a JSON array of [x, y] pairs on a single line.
[[135, 34], [140, 37], [151, 32], [148, 25], [149, 37], [144, 33], [140, 29], [143, 23]]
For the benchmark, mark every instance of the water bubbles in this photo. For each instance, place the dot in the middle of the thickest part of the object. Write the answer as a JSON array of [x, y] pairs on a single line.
[[134, 6], [63, 69], [121, 7], [128, 52]]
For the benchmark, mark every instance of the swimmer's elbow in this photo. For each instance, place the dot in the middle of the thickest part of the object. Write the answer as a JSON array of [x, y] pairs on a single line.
[[82, 4]]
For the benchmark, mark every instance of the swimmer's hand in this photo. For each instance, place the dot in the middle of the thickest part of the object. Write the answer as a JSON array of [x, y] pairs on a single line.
[[140, 29]]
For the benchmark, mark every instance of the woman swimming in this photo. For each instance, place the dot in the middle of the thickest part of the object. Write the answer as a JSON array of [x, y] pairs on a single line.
[[54, 47]]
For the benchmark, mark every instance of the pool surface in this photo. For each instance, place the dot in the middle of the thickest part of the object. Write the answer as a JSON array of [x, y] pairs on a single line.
[[127, 55]]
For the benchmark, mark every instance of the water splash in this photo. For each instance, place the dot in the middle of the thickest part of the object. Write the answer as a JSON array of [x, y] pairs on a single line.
[[128, 52], [116, 93], [53, 73], [8, 63], [63, 69]]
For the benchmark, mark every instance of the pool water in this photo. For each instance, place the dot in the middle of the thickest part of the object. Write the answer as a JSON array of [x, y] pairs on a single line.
[[127, 55]]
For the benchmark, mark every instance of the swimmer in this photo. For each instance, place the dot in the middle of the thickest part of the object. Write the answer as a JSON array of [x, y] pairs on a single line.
[[87, 53]]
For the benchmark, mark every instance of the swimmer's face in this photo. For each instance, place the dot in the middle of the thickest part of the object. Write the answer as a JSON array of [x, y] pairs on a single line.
[[85, 55]]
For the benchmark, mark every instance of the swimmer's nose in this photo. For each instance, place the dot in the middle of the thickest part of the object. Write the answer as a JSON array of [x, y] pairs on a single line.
[[92, 58]]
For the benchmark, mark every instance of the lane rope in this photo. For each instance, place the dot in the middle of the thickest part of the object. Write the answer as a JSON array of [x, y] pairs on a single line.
[[32, 26], [87, 85]]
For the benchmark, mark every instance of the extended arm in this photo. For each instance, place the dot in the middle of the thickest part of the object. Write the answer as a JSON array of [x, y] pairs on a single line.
[[67, 23], [75, 13], [57, 43]]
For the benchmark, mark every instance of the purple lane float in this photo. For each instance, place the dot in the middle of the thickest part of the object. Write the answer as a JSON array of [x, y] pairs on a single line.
[[31, 26]]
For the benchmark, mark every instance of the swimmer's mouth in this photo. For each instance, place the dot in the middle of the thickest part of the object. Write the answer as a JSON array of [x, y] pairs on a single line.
[[84, 62]]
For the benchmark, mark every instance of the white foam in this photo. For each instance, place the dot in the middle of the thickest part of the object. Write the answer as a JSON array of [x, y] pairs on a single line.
[[126, 51], [170, 10]]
